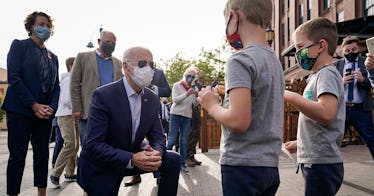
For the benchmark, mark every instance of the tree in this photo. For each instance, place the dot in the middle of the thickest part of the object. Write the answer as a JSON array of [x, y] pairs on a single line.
[[175, 68], [209, 62]]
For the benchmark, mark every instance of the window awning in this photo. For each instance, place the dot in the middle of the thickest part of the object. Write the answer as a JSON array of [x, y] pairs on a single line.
[[290, 51], [363, 28]]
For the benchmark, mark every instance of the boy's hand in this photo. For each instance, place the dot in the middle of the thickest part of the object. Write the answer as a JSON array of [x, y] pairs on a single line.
[[208, 98], [291, 146], [369, 62]]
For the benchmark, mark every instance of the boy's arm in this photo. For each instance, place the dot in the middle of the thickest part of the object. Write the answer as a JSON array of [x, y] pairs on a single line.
[[238, 116], [323, 111]]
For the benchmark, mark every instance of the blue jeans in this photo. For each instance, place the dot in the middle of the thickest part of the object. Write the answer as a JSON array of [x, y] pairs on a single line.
[[323, 179], [249, 180], [59, 142], [82, 131], [179, 124], [362, 122]]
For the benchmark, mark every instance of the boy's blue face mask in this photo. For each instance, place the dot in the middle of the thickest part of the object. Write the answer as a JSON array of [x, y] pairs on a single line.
[[304, 60], [42, 33]]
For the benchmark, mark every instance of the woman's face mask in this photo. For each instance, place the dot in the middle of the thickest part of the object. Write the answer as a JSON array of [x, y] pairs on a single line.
[[190, 78], [42, 33]]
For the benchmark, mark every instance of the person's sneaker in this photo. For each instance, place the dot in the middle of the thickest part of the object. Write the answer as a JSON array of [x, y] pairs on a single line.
[[190, 163], [184, 169], [55, 181], [70, 178]]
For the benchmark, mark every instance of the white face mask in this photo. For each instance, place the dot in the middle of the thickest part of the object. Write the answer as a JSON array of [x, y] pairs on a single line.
[[142, 76]]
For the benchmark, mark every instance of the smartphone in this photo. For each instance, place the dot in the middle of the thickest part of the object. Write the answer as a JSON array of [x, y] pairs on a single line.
[[214, 83], [348, 72], [198, 86], [370, 45]]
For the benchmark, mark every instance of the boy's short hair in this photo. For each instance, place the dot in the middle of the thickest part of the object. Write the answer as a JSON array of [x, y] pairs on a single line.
[[350, 39], [258, 12], [69, 63], [317, 29]]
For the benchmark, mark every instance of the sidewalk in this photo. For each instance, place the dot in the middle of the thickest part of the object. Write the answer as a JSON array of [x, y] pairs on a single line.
[[205, 180]]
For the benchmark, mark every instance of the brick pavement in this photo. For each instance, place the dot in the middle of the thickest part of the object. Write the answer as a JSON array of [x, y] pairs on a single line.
[[204, 180]]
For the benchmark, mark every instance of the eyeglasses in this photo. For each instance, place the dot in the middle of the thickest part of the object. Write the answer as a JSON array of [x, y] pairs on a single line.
[[143, 63]]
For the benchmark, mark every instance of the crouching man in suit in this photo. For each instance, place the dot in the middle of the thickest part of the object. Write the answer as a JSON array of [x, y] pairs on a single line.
[[121, 115]]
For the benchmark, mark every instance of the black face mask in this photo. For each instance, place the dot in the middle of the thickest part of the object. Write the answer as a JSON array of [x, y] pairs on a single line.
[[107, 48], [351, 56]]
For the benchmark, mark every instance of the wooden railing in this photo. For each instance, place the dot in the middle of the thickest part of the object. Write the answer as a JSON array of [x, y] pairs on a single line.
[[210, 133]]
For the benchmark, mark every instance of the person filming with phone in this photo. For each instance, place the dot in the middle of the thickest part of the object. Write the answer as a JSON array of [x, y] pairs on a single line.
[[183, 96], [357, 91]]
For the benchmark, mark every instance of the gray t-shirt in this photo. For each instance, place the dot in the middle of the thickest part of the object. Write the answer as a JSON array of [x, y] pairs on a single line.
[[317, 143], [258, 69]]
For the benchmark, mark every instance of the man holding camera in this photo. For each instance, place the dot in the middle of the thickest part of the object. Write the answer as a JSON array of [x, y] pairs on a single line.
[[357, 91]]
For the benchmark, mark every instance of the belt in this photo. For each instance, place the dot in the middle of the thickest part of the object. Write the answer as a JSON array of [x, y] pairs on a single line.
[[353, 104]]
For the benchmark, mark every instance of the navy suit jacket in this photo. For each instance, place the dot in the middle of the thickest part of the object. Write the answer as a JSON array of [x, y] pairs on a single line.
[[162, 84], [108, 147], [24, 78], [364, 88]]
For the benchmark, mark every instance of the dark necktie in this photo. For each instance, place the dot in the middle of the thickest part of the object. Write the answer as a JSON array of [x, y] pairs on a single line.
[[351, 84]]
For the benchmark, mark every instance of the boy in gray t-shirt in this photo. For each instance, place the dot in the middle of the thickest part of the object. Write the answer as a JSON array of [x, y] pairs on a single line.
[[322, 109], [252, 111]]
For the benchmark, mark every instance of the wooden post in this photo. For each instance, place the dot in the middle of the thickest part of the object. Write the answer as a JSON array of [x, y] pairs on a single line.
[[203, 132]]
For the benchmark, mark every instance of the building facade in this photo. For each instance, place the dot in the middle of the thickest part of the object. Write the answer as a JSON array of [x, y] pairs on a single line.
[[289, 14]]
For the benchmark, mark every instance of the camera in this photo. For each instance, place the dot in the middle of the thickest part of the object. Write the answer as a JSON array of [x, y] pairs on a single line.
[[197, 86]]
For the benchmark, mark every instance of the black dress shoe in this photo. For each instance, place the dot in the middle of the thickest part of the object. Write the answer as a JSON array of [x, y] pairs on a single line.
[[135, 180], [195, 161]]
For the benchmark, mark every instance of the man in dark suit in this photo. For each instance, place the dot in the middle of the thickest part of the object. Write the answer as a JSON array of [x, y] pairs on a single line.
[[357, 91], [121, 115], [159, 84], [160, 87]]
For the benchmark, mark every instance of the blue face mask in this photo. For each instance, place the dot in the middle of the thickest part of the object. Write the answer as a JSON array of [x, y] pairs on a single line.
[[190, 78], [304, 60], [42, 33]]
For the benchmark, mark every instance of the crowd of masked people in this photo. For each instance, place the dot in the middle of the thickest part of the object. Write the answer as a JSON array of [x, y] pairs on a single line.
[[118, 114]]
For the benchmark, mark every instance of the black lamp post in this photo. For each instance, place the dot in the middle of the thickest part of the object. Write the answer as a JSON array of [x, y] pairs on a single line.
[[269, 35], [90, 44]]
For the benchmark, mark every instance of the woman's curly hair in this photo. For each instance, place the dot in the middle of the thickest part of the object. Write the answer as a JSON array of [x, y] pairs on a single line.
[[30, 21]]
